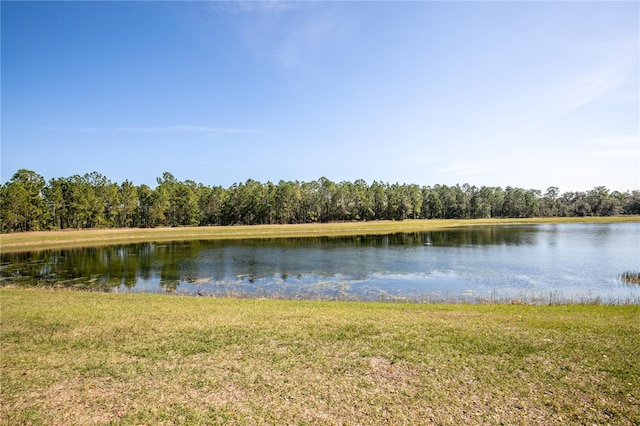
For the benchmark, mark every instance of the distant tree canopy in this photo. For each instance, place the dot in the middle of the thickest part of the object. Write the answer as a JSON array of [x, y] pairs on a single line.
[[28, 203]]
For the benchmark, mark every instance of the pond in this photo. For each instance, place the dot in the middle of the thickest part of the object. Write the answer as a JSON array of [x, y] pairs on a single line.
[[552, 263]]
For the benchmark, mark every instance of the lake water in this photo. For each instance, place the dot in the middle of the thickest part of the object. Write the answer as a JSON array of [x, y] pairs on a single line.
[[533, 263]]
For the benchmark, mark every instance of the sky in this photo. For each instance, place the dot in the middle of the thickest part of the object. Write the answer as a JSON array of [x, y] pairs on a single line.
[[523, 94]]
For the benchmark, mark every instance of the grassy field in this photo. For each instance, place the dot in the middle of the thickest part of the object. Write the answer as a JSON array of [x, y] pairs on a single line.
[[95, 358], [92, 237]]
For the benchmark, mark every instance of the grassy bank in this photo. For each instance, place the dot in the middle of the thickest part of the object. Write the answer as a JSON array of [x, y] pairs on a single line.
[[75, 238], [93, 358]]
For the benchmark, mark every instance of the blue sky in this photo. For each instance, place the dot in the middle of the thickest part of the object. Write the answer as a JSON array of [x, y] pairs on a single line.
[[526, 94]]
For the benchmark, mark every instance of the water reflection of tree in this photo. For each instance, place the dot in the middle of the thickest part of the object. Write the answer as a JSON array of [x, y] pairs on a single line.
[[177, 263], [97, 268], [106, 268], [482, 236]]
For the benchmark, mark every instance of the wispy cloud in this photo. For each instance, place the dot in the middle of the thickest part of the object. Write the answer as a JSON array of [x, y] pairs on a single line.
[[156, 129], [606, 66], [237, 7], [286, 33], [591, 85], [466, 167], [615, 153], [291, 35], [622, 147]]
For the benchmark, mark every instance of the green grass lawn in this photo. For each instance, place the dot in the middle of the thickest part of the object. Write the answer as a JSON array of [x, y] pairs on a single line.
[[95, 358]]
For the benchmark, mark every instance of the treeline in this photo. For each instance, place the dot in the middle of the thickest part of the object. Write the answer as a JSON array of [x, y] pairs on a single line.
[[28, 203]]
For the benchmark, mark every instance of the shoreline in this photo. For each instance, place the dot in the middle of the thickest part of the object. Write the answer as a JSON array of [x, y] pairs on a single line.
[[428, 299], [70, 238]]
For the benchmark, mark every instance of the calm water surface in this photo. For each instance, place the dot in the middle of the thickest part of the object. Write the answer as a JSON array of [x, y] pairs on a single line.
[[535, 263]]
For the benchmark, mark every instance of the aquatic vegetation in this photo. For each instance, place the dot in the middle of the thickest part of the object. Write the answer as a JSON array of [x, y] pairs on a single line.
[[630, 277]]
